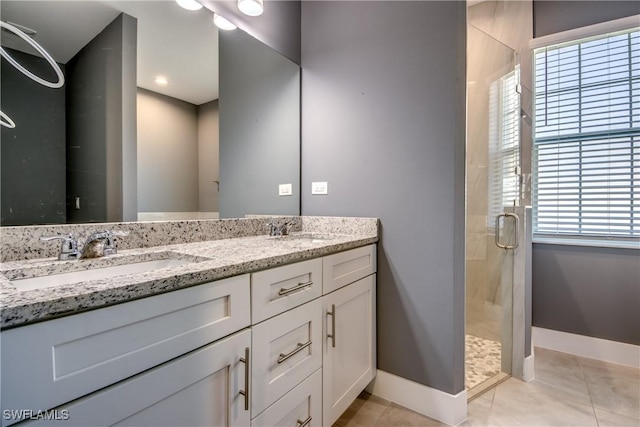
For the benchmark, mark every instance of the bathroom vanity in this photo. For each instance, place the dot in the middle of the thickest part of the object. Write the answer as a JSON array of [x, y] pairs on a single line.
[[254, 330]]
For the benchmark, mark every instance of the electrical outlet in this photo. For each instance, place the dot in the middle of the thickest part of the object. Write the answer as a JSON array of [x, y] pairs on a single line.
[[285, 190], [319, 188]]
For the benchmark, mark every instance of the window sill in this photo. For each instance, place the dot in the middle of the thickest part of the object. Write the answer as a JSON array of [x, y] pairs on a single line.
[[566, 241]]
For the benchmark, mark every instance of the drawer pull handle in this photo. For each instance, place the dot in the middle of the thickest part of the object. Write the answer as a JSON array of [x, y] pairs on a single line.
[[284, 291], [245, 392], [332, 335], [304, 423], [293, 352]]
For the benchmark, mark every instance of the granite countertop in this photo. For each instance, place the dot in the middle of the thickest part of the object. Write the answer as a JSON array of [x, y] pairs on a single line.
[[206, 261]]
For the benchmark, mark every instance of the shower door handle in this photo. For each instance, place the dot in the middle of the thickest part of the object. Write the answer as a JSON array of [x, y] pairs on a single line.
[[516, 234]]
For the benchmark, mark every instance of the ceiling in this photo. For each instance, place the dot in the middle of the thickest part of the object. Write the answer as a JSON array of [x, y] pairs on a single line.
[[178, 44]]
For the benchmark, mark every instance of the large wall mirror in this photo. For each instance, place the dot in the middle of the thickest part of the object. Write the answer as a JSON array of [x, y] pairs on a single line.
[[161, 117]]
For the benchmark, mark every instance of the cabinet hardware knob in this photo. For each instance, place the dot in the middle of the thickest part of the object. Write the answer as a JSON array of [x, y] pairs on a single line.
[[332, 335], [305, 422], [245, 392], [293, 352], [284, 291]]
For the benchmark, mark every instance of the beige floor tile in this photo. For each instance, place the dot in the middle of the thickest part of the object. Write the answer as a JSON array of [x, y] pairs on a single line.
[[479, 409], [396, 416], [614, 388], [525, 404], [609, 419], [562, 375], [364, 412], [472, 421]]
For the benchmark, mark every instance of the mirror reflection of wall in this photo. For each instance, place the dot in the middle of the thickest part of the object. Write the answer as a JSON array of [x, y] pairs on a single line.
[[127, 148], [177, 158]]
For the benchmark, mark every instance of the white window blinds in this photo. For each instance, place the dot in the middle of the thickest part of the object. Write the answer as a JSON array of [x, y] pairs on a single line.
[[504, 144], [587, 138]]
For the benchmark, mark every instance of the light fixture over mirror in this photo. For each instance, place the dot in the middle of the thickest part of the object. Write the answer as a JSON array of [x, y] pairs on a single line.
[[223, 23], [189, 4], [251, 7]]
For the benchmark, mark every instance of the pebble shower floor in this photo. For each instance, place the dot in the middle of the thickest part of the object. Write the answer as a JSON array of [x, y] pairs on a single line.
[[482, 360]]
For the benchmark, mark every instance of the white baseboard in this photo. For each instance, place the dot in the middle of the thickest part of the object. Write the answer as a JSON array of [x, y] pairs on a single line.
[[444, 407], [593, 348], [528, 374]]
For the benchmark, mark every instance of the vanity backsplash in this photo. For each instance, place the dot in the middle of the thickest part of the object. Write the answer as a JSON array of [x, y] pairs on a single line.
[[23, 243]]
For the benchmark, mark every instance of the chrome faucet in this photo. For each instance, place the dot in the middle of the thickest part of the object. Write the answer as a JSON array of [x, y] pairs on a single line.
[[68, 248], [280, 230], [97, 244], [101, 243]]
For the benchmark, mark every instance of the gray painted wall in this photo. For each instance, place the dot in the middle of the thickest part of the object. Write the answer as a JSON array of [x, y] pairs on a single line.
[[98, 98], [585, 290], [383, 121], [167, 154], [259, 128], [278, 26], [208, 156], [555, 16], [33, 153]]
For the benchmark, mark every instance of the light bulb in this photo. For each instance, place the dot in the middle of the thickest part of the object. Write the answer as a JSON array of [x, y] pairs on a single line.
[[251, 7], [161, 80], [223, 23], [189, 4]]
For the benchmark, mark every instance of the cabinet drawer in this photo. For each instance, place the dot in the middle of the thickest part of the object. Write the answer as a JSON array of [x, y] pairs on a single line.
[[200, 388], [287, 349], [302, 404], [346, 267], [53, 362], [277, 290]]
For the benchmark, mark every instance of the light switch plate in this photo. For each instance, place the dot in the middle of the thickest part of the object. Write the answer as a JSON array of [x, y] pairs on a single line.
[[285, 190], [319, 188]]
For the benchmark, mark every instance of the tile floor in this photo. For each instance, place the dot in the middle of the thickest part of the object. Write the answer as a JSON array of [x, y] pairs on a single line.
[[482, 360], [568, 391]]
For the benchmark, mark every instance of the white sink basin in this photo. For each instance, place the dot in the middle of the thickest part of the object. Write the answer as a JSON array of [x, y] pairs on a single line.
[[68, 278], [306, 237]]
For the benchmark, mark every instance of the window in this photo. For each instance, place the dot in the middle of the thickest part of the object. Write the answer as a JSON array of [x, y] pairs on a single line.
[[587, 138], [504, 144]]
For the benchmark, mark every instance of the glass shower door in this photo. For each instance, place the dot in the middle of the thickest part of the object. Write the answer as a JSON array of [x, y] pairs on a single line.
[[493, 157]]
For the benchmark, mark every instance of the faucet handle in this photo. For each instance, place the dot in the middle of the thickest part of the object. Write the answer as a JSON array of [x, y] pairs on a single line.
[[68, 248], [110, 241]]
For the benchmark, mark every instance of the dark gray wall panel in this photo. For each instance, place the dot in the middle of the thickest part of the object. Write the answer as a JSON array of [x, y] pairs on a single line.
[[555, 16], [33, 153], [383, 122], [97, 102], [587, 291]]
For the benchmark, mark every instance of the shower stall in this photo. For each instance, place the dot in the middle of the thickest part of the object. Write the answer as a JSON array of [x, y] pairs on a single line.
[[495, 224]]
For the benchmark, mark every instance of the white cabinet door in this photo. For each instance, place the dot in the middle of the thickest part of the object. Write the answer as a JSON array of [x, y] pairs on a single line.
[[201, 388], [301, 407], [349, 357], [287, 348]]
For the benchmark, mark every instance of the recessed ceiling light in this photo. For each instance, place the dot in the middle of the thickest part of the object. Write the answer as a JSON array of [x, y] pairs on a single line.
[[223, 23], [161, 80], [251, 7], [189, 4]]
